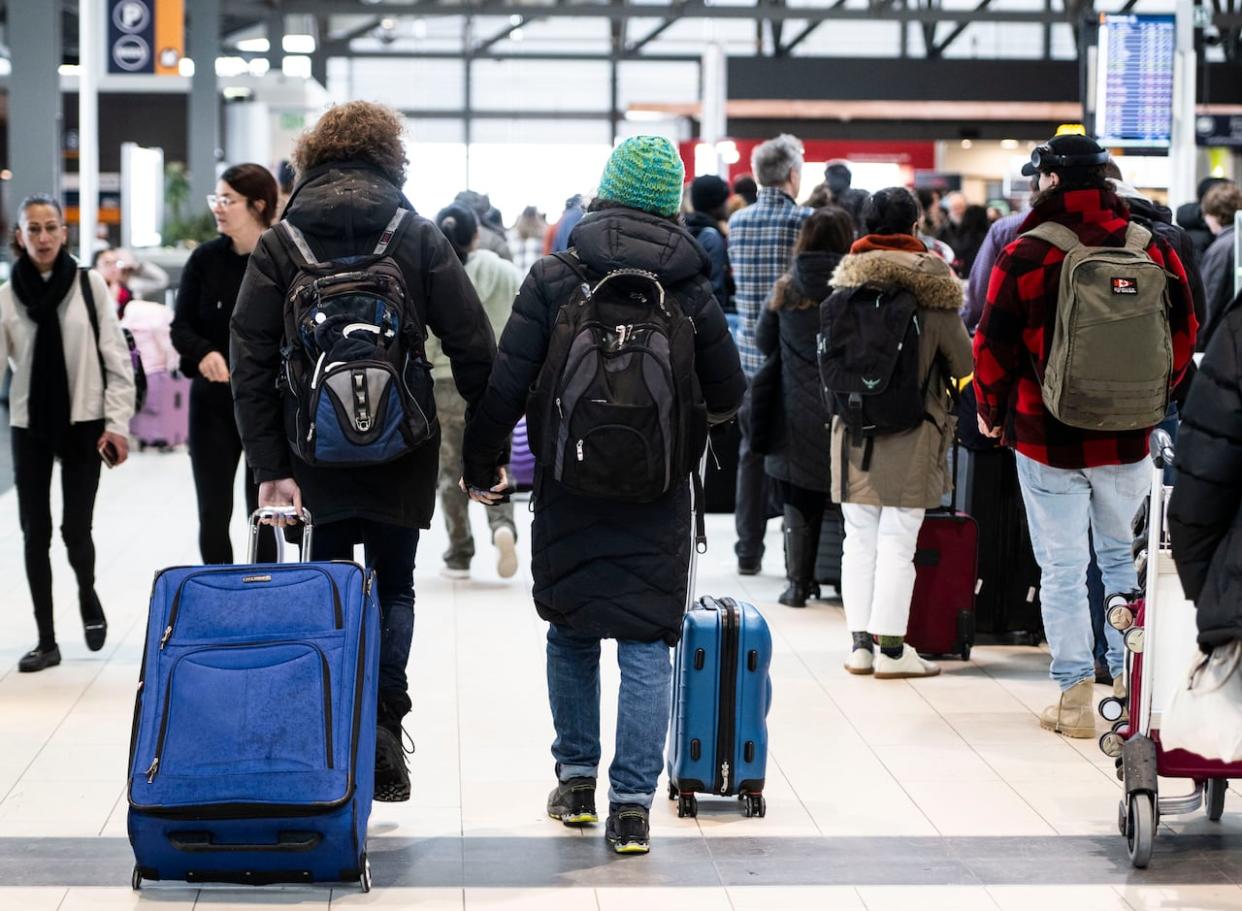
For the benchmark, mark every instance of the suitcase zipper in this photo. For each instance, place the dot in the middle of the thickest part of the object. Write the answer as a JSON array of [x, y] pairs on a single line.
[[326, 677], [337, 614], [726, 723]]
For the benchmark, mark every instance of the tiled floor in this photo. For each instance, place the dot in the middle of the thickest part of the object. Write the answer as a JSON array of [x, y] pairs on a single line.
[[933, 794]]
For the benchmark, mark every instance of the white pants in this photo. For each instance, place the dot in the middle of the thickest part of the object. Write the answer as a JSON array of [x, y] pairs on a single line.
[[877, 567]]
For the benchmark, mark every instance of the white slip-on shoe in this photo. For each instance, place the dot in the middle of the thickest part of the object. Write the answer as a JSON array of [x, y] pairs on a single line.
[[908, 665], [506, 543], [861, 661]]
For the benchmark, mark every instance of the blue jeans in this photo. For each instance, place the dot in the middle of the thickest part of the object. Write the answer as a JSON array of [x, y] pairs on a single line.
[[642, 712], [1068, 509], [390, 552]]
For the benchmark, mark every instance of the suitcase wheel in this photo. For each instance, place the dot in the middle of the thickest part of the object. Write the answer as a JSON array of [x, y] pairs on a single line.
[[135, 879], [364, 880], [687, 805], [753, 805]]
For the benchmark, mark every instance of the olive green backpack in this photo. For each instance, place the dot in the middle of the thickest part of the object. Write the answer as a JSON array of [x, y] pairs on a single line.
[[1112, 350]]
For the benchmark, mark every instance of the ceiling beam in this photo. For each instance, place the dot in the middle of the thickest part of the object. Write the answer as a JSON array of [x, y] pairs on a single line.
[[697, 9], [551, 56]]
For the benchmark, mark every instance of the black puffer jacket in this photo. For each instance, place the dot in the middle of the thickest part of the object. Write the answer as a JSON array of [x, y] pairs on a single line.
[[1205, 513], [342, 209], [803, 458], [606, 568]]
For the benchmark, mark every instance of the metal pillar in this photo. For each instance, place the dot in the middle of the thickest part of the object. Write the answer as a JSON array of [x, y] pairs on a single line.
[[90, 41], [1183, 153], [34, 102], [204, 107], [713, 120]]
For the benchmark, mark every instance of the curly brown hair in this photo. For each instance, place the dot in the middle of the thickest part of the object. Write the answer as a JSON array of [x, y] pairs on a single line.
[[355, 131]]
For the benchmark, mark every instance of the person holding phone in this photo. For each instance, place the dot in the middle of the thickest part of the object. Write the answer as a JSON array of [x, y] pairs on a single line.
[[243, 205], [71, 401]]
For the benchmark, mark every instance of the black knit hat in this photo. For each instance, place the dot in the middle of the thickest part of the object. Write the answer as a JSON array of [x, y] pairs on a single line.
[[1065, 153], [708, 193]]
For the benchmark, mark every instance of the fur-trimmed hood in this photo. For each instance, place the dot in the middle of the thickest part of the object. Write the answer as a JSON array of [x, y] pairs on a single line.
[[926, 276]]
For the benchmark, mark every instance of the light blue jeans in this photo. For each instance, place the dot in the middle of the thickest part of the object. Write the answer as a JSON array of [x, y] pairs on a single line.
[[1062, 506], [642, 712]]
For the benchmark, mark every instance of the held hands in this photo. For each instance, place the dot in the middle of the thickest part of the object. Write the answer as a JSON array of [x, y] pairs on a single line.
[[990, 432], [213, 368], [488, 497], [284, 492]]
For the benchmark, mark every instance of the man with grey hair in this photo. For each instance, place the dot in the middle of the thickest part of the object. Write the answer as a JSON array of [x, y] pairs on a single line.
[[761, 241]]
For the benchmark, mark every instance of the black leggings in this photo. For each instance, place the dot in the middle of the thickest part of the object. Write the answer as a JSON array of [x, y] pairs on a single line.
[[215, 450], [79, 481]]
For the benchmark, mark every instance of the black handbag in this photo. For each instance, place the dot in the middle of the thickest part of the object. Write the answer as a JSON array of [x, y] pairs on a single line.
[[767, 409]]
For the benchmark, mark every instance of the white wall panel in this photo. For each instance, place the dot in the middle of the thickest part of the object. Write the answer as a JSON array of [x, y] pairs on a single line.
[[421, 84], [657, 82]]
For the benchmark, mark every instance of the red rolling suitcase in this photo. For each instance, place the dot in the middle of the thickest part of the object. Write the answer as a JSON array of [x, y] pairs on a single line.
[[946, 560]]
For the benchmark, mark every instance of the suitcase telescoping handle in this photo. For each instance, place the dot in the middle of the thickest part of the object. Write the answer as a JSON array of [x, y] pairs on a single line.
[[280, 512]]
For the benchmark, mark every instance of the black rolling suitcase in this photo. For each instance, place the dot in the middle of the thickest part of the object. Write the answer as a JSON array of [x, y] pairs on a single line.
[[1007, 607], [831, 543]]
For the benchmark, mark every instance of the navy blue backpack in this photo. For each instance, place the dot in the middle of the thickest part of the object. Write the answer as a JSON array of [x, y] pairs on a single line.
[[355, 378]]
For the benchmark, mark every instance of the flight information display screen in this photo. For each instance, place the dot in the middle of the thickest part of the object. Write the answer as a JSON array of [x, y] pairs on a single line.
[[1134, 86]]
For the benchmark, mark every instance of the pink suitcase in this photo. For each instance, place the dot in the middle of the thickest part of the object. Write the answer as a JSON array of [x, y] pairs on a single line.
[[164, 421]]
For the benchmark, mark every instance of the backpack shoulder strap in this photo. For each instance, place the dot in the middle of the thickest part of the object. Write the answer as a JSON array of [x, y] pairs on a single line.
[[1138, 237], [88, 297], [300, 249], [392, 231], [570, 258], [1051, 232]]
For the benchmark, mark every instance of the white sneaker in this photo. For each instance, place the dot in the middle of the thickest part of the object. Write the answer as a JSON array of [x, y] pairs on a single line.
[[505, 541], [908, 665], [861, 661], [451, 572]]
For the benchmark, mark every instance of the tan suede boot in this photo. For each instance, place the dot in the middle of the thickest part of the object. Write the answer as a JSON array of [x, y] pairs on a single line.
[[1074, 714]]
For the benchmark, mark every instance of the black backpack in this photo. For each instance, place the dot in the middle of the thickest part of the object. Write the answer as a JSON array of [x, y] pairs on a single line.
[[355, 375], [617, 412], [869, 364]]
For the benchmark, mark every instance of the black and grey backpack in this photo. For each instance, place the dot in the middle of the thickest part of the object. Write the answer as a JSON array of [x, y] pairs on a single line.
[[617, 411]]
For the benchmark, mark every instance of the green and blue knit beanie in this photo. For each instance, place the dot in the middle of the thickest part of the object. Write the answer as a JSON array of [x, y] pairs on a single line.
[[646, 173]]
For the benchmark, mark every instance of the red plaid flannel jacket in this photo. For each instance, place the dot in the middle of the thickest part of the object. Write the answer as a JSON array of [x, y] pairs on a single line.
[[1015, 334]]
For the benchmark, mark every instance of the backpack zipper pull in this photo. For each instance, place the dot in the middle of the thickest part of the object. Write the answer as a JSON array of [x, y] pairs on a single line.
[[724, 777], [155, 767], [580, 451], [558, 409]]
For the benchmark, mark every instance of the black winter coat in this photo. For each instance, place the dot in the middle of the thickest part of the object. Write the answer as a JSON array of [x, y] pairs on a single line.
[[342, 208], [1205, 513], [606, 568], [206, 297], [803, 458]]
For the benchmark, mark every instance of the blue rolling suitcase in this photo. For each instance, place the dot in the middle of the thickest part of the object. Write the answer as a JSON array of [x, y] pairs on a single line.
[[252, 758], [718, 738]]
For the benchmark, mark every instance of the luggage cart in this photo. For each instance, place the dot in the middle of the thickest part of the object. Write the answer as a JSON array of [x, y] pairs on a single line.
[[1159, 629]]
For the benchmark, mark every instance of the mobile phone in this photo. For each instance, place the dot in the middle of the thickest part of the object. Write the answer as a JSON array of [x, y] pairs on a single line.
[[108, 453], [504, 498]]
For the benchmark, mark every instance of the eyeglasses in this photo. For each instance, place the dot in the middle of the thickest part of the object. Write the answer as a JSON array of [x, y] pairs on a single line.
[[220, 202]]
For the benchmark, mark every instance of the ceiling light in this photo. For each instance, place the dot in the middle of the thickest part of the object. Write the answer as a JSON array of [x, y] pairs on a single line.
[[967, 144], [1009, 144], [69, 69], [298, 44], [185, 66], [254, 46], [296, 66]]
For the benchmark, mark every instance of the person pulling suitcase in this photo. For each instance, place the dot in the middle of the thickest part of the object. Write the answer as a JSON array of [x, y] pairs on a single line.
[[615, 447], [332, 386]]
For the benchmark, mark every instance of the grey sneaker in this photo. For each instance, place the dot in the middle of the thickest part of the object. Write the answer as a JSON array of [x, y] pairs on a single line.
[[573, 802]]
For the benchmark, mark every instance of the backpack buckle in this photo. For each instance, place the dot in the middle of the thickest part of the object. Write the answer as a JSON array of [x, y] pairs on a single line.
[[362, 409]]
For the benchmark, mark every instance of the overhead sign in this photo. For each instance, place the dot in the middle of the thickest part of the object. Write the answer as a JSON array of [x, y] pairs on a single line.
[[1134, 81], [146, 36], [1219, 130]]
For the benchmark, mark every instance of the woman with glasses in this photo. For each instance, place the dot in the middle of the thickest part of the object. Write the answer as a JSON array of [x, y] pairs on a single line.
[[71, 401], [244, 205]]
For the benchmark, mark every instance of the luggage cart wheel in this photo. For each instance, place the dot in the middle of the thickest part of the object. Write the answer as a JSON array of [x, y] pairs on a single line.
[[365, 879], [135, 880], [1111, 709], [687, 805], [672, 791], [1140, 828], [1214, 801]]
